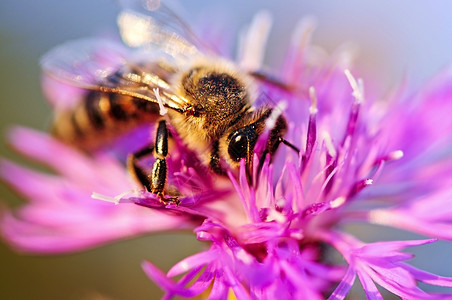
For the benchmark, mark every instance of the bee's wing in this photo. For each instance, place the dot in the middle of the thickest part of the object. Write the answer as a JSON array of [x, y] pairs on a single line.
[[153, 25], [105, 66], [84, 63], [78, 65]]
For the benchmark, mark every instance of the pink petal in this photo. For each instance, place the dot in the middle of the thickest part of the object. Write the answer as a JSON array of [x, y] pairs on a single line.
[[406, 219], [219, 290], [344, 286], [163, 281], [239, 291], [429, 278], [193, 261], [383, 249], [71, 163], [72, 234], [369, 287]]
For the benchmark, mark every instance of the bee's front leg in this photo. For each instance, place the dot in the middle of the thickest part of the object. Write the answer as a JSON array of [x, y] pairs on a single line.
[[214, 162], [136, 171], [156, 181]]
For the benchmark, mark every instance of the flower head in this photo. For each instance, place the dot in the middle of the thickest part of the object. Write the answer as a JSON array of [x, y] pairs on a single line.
[[270, 230]]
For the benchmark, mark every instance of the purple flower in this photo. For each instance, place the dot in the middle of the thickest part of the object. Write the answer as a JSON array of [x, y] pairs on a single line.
[[362, 160], [61, 215]]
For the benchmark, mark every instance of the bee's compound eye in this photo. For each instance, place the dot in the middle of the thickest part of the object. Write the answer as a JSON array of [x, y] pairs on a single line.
[[238, 146]]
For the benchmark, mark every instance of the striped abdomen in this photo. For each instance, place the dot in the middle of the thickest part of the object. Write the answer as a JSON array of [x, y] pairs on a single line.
[[101, 117]]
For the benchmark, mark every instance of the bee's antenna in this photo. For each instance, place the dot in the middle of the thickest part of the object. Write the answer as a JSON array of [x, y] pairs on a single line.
[[290, 145]]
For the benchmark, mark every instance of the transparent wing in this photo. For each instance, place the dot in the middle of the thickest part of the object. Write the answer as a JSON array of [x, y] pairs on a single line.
[[84, 63], [153, 25], [107, 66]]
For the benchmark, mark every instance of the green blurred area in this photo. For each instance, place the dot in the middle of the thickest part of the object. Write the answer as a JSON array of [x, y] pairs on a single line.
[[109, 272]]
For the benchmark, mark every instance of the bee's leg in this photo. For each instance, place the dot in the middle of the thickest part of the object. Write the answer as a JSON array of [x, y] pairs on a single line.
[[136, 171], [214, 163], [160, 169], [156, 181]]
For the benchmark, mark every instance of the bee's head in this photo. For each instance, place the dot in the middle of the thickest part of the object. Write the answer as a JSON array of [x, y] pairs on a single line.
[[241, 140]]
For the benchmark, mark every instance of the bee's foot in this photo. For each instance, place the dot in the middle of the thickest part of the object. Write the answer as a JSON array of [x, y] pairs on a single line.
[[168, 200]]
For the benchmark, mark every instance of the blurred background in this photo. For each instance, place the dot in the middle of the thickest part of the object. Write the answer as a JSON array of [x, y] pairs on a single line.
[[394, 38]]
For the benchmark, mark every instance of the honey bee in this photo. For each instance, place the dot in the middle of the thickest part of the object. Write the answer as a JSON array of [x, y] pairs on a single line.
[[209, 101]]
